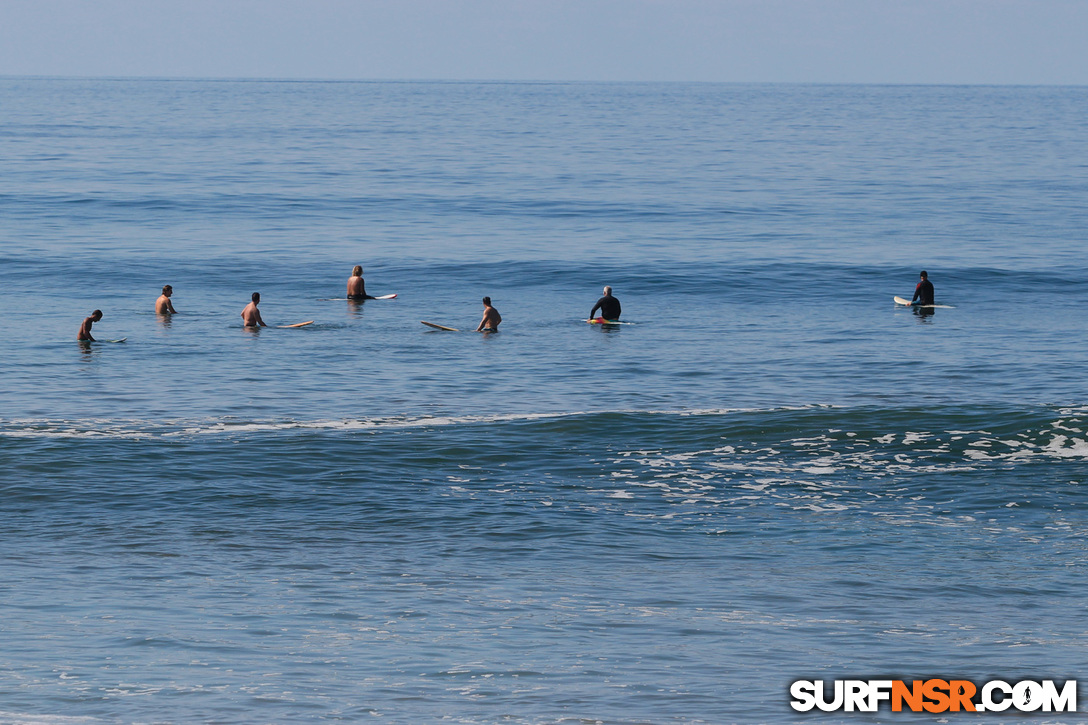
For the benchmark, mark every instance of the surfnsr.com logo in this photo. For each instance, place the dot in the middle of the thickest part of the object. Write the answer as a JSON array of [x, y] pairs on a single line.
[[935, 696]]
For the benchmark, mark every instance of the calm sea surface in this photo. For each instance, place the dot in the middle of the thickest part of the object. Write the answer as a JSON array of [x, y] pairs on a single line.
[[772, 474]]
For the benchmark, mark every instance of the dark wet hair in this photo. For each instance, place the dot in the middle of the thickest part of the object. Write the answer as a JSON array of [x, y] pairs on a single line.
[[924, 275], [255, 296], [487, 301], [167, 287], [96, 313]]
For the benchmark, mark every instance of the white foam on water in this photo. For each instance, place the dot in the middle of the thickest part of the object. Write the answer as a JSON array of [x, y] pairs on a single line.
[[139, 430], [20, 718], [136, 429], [1078, 448], [828, 474]]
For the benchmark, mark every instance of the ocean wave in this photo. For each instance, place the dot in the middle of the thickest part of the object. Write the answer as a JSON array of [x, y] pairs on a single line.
[[141, 429], [22, 718], [816, 440]]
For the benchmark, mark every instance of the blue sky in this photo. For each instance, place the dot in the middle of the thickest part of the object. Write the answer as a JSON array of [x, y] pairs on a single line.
[[837, 41]]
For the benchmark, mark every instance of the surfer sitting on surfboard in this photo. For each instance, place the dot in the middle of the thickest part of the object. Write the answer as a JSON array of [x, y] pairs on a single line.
[[85, 328], [251, 316], [608, 305], [923, 293], [491, 318], [356, 285]]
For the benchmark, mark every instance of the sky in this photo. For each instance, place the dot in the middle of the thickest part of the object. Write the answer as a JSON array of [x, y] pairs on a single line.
[[747, 41]]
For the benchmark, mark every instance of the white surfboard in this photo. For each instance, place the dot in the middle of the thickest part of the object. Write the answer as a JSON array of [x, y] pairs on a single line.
[[908, 303], [352, 299]]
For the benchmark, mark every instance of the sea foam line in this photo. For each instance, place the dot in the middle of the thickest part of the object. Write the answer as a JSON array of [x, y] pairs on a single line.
[[142, 429]]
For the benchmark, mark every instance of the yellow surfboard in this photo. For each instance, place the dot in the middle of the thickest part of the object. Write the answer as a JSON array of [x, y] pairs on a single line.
[[440, 327]]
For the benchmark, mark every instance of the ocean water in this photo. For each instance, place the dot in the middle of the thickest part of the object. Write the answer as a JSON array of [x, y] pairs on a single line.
[[773, 473]]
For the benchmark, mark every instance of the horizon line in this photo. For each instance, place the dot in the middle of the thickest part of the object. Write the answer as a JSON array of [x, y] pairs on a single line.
[[526, 81]]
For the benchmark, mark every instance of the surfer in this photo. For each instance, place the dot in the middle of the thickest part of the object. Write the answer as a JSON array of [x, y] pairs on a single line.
[[923, 293], [85, 328], [163, 305], [356, 286], [608, 305], [251, 316], [491, 318]]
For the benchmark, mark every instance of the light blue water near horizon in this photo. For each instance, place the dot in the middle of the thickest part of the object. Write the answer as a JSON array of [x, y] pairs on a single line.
[[773, 473]]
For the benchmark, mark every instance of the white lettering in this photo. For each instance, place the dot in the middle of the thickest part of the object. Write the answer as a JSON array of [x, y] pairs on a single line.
[[988, 698], [1027, 696], [804, 695], [824, 704], [879, 690], [857, 696], [1065, 701]]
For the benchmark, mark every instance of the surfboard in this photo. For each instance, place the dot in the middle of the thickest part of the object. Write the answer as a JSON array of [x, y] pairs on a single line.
[[297, 324], [440, 327], [121, 340], [345, 299], [908, 303], [602, 321]]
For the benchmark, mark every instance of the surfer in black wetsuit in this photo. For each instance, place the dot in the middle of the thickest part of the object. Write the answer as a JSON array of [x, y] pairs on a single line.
[[608, 305], [923, 293]]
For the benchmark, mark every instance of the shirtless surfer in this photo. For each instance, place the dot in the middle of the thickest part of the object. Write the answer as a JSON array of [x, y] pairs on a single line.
[[163, 305], [491, 318], [356, 286], [251, 316], [608, 305], [85, 328]]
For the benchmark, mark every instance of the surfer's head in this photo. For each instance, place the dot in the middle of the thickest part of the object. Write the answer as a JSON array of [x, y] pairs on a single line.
[[167, 290], [256, 297], [487, 301], [96, 315], [607, 291], [924, 274], [357, 271]]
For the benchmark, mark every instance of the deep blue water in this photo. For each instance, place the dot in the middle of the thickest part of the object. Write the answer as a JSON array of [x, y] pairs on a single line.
[[772, 474]]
